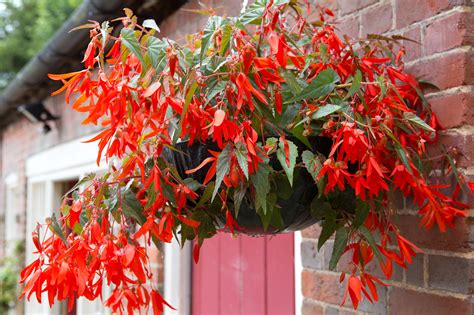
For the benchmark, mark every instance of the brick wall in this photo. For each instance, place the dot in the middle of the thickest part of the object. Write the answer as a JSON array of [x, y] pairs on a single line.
[[441, 280]]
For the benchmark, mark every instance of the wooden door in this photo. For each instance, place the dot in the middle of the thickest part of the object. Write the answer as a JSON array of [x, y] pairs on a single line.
[[244, 275]]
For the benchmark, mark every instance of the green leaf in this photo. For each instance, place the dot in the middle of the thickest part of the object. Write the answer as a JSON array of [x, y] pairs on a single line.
[[342, 236], [262, 186], [189, 96], [252, 14], [83, 180], [208, 33], [156, 51], [206, 195], [131, 206], [239, 194], [241, 154], [130, 41], [222, 168], [320, 208], [292, 82], [323, 48], [56, 229], [414, 119], [150, 23], [383, 88], [370, 239], [293, 154], [225, 41], [325, 110], [403, 156], [355, 87], [329, 227], [361, 212], [322, 85], [312, 164]]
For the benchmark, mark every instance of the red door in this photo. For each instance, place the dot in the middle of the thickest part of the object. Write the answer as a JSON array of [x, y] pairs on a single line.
[[245, 275]]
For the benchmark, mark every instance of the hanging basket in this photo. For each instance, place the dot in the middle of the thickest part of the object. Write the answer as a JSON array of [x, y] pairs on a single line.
[[294, 208]]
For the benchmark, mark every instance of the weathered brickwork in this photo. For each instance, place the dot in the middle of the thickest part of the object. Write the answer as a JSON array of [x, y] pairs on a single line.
[[440, 280]]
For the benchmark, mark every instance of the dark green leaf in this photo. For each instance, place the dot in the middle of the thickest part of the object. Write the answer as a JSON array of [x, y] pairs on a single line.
[[241, 154], [320, 208], [262, 186], [222, 168], [355, 87], [56, 229], [370, 239], [239, 194], [293, 154], [130, 41], [312, 164], [342, 236], [322, 85], [414, 119], [292, 82], [131, 206], [329, 227], [361, 213]]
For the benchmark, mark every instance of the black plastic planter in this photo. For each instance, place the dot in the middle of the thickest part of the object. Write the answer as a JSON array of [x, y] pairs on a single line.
[[295, 209]]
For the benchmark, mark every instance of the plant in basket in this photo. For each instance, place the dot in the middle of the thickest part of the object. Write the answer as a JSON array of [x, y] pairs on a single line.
[[262, 123]]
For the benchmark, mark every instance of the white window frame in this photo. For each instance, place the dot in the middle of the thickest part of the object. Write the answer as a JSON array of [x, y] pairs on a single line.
[[70, 160]]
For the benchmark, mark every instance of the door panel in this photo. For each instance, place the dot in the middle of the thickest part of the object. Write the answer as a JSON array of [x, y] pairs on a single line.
[[244, 276]]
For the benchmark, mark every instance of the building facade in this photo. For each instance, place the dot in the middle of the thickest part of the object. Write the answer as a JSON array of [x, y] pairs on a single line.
[[36, 169]]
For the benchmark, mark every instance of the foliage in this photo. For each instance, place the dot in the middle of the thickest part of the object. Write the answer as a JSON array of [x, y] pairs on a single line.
[[247, 87], [25, 26], [9, 270]]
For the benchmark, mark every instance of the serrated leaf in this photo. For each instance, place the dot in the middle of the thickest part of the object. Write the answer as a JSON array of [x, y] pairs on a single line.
[[222, 168], [56, 229], [262, 186], [355, 87], [130, 41], [414, 119], [292, 82], [342, 236], [156, 51], [208, 34], [225, 40], [151, 23], [322, 85], [83, 180], [312, 163], [361, 212], [239, 194], [403, 156], [370, 239], [189, 96], [131, 206], [325, 110], [241, 154], [293, 154], [329, 226]]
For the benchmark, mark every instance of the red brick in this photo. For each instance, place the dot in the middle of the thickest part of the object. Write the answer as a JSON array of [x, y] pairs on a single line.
[[324, 287], [377, 20], [413, 50], [454, 110], [450, 70], [410, 302], [448, 32], [409, 11], [351, 6], [458, 239], [348, 26], [450, 273], [311, 309], [415, 271]]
